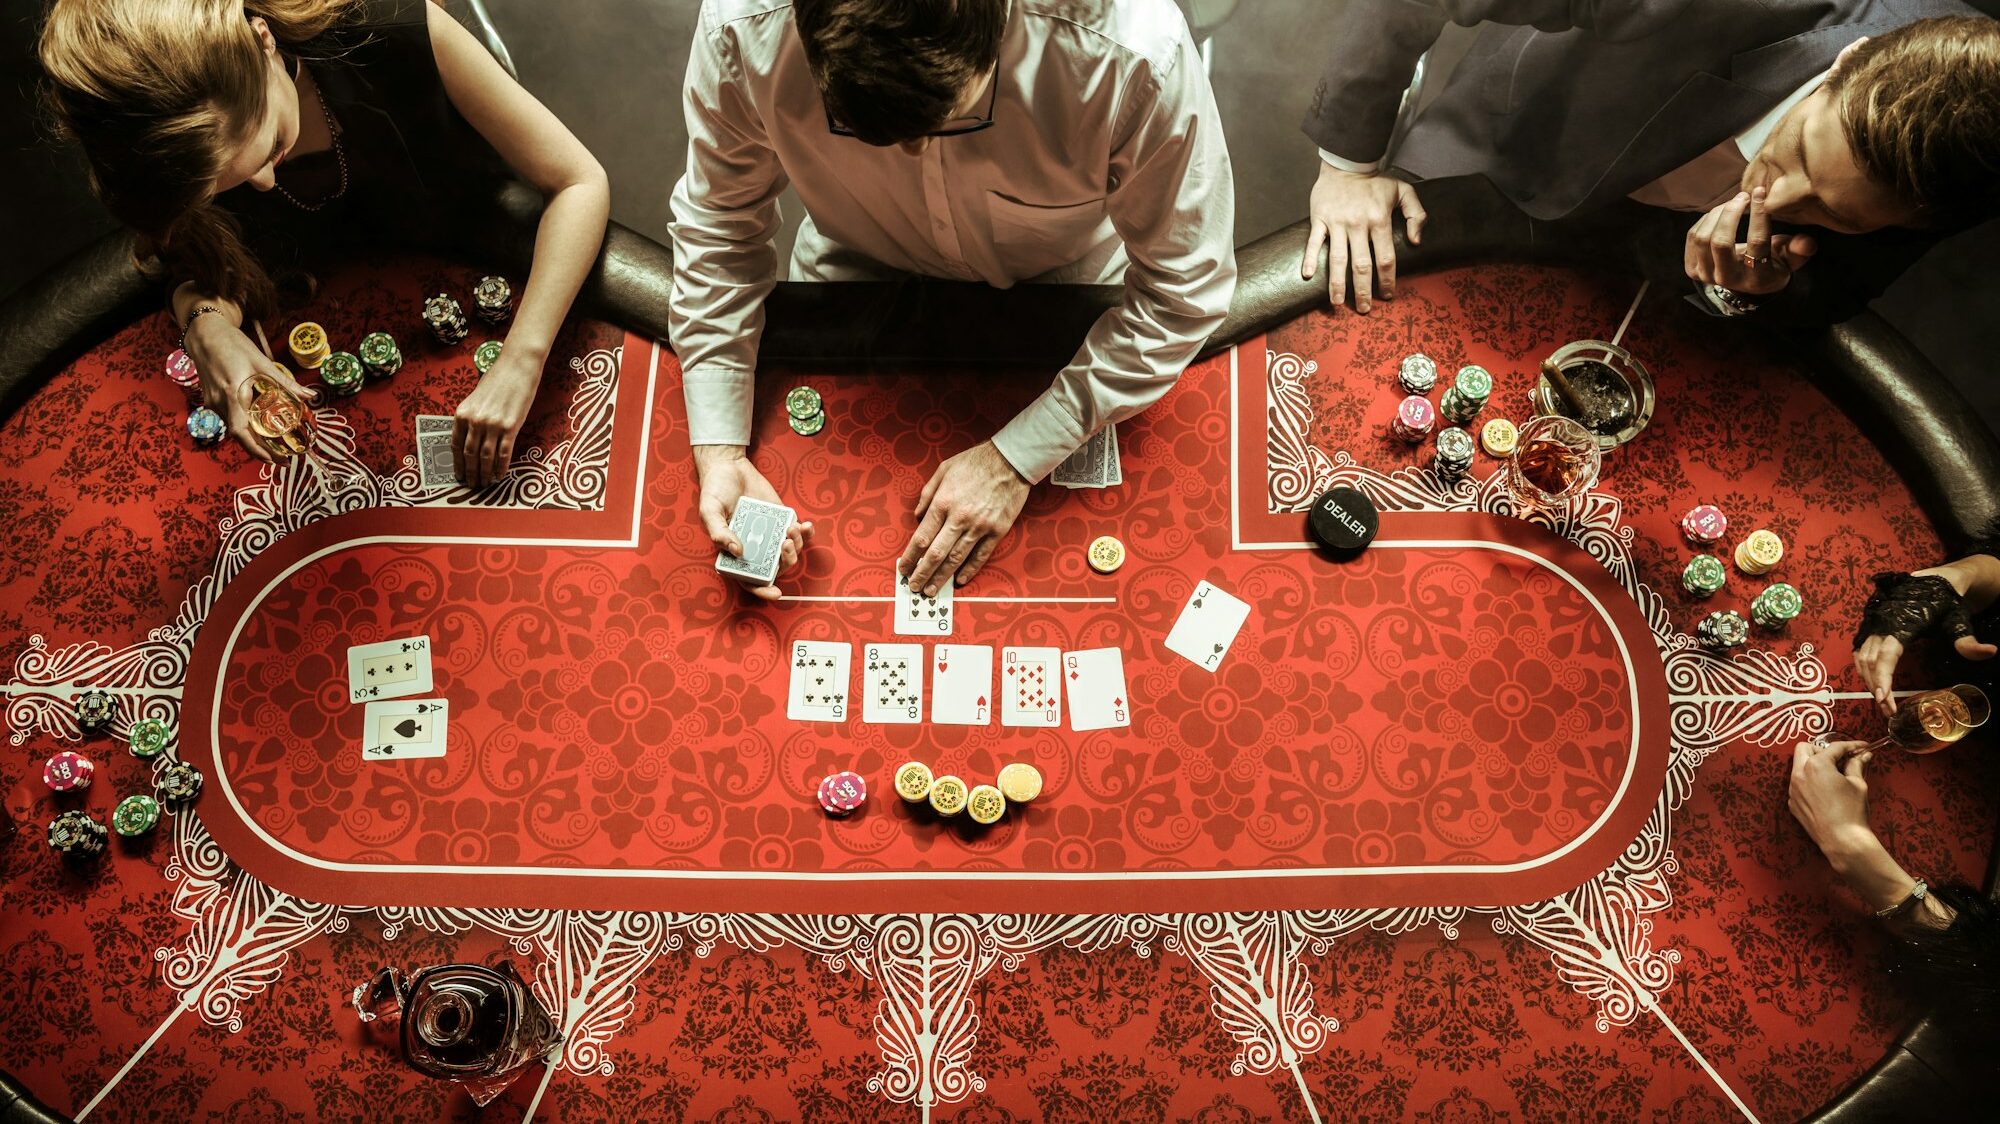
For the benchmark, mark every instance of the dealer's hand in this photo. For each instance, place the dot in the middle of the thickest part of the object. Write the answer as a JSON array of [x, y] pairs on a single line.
[[1758, 267], [727, 476], [1351, 217], [969, 504], [485, 425], [1829, 797], [225, 358]]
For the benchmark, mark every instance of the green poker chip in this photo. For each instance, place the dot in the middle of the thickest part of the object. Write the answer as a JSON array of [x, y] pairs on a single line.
[[803, 402], [806, 427], [149, 737], [485, 355], [135, 815]]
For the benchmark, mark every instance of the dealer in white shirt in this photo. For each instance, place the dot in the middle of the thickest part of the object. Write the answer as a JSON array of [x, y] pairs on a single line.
[[978, 140]]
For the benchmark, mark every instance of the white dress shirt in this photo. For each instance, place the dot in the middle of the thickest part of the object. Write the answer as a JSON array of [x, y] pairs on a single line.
[[1701, 184], [1105, 136]]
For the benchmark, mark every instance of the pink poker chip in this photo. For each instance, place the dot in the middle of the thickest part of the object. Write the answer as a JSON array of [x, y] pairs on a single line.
[[68, 771], [181, 369], [841, 793], [1414, 418], [1704, 525]]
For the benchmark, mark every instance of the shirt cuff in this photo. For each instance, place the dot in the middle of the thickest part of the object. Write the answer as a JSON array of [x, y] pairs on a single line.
[[718, 405], [1353, 167], [1039, 438]]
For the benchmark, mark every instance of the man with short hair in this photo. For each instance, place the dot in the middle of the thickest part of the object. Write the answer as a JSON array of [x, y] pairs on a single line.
[[1848, 134], [980, 140]]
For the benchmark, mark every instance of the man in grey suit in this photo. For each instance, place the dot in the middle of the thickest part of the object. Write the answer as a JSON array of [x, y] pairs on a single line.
[[1848, 134]]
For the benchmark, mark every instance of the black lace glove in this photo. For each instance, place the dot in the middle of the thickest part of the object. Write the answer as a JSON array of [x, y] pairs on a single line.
[[1906, 606]]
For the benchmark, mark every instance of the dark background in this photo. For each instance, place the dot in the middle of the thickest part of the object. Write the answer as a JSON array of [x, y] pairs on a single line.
[[612, 69]]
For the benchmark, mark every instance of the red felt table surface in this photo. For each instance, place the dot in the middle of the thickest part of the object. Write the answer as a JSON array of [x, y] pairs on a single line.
[[1463, 829]]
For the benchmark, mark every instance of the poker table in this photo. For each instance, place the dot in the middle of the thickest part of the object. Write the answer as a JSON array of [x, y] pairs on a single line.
[[1464, 828]]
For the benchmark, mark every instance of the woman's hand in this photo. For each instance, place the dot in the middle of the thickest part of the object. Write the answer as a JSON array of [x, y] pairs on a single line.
[[225, 359], [485, 425]]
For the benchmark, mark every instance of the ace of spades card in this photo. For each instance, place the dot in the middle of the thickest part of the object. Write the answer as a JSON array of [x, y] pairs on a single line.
[[892, 682], [404, 728], [1031, 687]]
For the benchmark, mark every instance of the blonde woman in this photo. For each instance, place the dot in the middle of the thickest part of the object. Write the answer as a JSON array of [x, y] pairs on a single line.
[[246, 141]]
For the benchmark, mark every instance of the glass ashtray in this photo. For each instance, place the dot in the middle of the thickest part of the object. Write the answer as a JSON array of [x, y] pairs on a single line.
[[1606, 374]]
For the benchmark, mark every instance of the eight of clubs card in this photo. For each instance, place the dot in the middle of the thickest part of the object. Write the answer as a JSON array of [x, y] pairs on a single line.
[[918, 615], [389, 669], [1207, 626], [962, 684], [437, 463], [819, 682], [392, 731], [1095, 683], [1031, 687], [892, 682], [761, 528]]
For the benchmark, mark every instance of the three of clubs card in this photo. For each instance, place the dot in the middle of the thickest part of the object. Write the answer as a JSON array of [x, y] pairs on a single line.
[[918, 615], [892, 679], [437, 464], [962, 684], [403, 728], [819, 681], [1095, 682], [761, 528], [1207, 625], [389, 669], [1031, 687]]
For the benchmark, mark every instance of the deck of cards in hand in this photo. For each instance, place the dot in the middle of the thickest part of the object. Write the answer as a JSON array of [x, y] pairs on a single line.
[[393, 726], [1094, 464], [761, 528]]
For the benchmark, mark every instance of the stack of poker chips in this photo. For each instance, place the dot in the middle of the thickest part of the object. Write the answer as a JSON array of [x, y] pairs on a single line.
[[1415, 418], [1704, 576], [1417, 374], [1499, 436], [68, 771], [342, 374], [1723, 630], [446, 319], [913, 782], [1454, 453], [1020, 782], [93, 710], [1704, 525], [985, 804], [806, 410], [1759, 553], [181, 371], [494, 299], [485, 355], [1467, 395], [206, 427], [149, 738], [842, 793], [308, 345], [380, 356], [179, 783], [77, 835], [1776, 606], [135, 815]]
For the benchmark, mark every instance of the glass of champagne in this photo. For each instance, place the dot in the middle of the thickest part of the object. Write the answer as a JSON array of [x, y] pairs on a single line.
[[1554, 461], [1930, 720]]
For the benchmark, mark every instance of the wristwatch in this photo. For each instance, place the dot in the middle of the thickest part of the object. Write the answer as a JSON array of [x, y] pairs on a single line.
[[1728, 302], [1917, 894]]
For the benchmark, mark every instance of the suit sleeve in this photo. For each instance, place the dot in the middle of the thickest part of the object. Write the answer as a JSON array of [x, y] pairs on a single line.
[[1378, 42]]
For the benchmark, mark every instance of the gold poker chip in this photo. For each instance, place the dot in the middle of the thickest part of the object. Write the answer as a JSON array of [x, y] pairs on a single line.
[[948, 796], [1020, 782], [1106, 554], [985, 804], [913, 781]]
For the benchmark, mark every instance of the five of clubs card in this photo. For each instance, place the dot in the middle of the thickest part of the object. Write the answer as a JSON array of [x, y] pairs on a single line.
[[819, 681]]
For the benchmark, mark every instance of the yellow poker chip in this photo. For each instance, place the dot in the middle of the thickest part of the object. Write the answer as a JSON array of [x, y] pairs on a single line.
[[308, 345], [948, 796], [1765, 548], [985, 804], [1499, 437], [1106, 554], [913, 781], [1020, 782]]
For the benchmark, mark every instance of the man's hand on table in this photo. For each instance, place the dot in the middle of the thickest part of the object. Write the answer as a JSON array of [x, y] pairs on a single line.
[[485, 425], [225, 358], [1352, 215], [727, 476], [968, 506], [1759, 267]]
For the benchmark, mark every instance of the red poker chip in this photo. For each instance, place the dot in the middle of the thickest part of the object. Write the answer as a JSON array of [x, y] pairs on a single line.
[[841, 793], [1704, 525], [180, 368], [68, 771]]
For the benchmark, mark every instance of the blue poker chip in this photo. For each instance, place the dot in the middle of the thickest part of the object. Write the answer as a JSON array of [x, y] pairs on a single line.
[[206, 426]]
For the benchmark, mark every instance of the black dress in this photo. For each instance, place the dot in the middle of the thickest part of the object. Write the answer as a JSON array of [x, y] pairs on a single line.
[[419, 175]]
